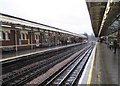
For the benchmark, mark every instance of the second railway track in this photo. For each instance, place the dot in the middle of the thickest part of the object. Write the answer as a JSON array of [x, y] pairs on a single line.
[[69, 75]]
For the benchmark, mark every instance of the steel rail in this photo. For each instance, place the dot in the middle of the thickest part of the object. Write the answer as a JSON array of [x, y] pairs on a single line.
[[34, 72], [68, 66]]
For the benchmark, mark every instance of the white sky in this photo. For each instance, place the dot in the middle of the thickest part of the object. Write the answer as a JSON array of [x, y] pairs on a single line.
[[71, 15]]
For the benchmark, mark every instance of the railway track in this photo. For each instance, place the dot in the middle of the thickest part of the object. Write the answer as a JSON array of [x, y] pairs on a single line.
[[69, 75], [29, 72]]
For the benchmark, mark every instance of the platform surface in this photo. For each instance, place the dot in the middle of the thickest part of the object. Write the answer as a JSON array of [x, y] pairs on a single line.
[[22, 52], [105, 69], [13, 55]]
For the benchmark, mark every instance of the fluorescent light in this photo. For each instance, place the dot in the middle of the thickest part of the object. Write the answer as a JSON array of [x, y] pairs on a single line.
[[111, 1], [105, 16]]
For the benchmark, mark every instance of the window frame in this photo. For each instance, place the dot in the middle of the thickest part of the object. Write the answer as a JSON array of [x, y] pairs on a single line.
[[37, 36], [5, 35], [1, 35], [23, 36]]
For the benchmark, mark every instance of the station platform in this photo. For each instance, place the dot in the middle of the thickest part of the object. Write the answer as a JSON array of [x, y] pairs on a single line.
[[105, 70], [102, 67], [13, 55]]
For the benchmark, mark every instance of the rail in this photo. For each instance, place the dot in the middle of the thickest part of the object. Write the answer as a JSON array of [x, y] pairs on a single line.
[[27, 73], [70, 73]]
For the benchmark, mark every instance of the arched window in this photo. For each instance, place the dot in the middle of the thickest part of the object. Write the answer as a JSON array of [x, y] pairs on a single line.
[[35, 37], [22, 36], [25, 36], [7, 35], [1, 35]]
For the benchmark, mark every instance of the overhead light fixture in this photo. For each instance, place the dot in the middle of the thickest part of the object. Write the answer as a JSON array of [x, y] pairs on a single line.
[[105, 16], [111, 1]]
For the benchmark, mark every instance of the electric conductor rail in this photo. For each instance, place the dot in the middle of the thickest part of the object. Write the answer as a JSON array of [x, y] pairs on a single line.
[[69, 74]]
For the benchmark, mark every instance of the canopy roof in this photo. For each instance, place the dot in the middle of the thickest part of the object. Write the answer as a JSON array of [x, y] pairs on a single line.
[[102, 15], [18, 22]]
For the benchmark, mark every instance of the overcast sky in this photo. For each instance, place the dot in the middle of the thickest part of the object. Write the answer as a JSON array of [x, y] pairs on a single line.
[[71, 15]]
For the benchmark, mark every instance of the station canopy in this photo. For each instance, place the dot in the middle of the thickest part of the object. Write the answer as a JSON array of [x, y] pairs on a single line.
[[105, 16], [8, 21]]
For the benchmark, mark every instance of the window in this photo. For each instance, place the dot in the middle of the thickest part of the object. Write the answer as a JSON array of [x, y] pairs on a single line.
[[22, 36], [25, 36], [36, 37], [4, 35], [1, 36], [7, 35]]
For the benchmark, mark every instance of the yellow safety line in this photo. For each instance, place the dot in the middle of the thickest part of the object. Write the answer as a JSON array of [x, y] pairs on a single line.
[[91, 69]]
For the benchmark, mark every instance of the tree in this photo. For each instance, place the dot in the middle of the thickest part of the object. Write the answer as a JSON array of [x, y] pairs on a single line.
[[86, 35]]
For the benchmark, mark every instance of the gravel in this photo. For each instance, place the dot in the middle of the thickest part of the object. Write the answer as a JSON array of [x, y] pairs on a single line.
[[54, 69]]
